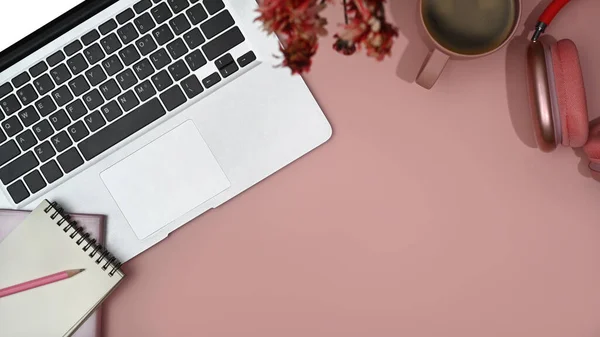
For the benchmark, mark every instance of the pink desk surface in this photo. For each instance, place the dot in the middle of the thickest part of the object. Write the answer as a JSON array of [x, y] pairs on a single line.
[[428, 214]]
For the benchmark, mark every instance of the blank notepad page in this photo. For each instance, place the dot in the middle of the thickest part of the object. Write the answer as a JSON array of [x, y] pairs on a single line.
[[40, 247]]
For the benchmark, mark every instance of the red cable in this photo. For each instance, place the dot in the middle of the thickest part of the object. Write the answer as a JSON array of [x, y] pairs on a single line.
[[552, 11]]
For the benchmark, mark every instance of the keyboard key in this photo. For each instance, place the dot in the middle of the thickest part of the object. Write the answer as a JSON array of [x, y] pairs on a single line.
[[121, 129], [79, 85], [178, 70], [144, 23], [160, 59], [34, 181], [29, 116], [2, 137], [129, 55], [128, 101], [8, 152], [73, 47], [94, 121], [211, 80], [44, 84], [194, 38], [229, 70], [18, 192], [45, 106], [76, 110], [111, 43], [111, 111], [55, 58], [246, 59], [145, 90], [178, 5], [5, 89], [51, 172], [18, 167], [161, 13], [59, 120], [112, 65], [217, 24], [126, 79], [180, 24], [163, 34], [38, 69], [192, 87], [10, 105], [26, 140], [96, 75], [143, 69], [61, 141], [125, 16], [70, 160], [90, 37], [62, 95], [195, 60], [78, 131], [213, 6], [21, 80], [197, 14], [107, 27], [127, 33], [110, 89], [93, 99], [173, 98], [12, 126], [223, 61], [142, 6], [77, 64], [44, 151], [43, 130], [94, 54], [177, 48], [146, 45], [27, 94], [60, 74], [223, 43], [162, 80]]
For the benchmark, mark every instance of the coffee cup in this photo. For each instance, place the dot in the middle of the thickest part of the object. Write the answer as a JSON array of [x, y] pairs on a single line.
[[464, 29]]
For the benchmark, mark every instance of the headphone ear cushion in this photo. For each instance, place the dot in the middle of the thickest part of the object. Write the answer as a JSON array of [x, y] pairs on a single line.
[[570, 93], [592, 150]]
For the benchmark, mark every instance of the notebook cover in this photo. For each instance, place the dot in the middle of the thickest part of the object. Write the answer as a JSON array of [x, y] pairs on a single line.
[[93, 224]]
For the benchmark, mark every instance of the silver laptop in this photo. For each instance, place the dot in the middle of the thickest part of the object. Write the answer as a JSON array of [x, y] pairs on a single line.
[[150, 111]]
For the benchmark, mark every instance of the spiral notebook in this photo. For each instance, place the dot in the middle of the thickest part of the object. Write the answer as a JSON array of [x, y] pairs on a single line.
[[93, 224], [47, 242]]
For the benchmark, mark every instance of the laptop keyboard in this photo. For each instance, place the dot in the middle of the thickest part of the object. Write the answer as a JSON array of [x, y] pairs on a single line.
[[112, 82]]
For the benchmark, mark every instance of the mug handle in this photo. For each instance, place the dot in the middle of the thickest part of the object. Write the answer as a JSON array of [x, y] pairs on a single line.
[[432, 68]]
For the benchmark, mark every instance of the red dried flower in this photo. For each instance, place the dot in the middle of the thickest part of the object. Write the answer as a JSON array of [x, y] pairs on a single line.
[[298, 24], [367, 28]]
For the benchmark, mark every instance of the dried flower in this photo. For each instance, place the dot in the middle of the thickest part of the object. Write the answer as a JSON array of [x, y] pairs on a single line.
[[299, 25], [367, 28]]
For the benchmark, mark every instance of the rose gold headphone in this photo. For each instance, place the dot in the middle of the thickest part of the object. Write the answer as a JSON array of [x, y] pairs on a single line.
[[557, 94]]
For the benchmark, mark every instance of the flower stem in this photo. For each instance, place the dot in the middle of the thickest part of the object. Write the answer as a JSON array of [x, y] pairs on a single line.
[[345, 12]]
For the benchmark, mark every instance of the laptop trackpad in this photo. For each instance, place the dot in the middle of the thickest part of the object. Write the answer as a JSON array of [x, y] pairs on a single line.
[[164, 180]]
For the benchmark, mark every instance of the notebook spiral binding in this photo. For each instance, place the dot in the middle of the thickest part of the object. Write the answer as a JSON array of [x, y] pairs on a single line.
[[105, 259]]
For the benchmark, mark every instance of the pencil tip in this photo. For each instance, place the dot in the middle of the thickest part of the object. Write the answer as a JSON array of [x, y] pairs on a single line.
[[80, 270]]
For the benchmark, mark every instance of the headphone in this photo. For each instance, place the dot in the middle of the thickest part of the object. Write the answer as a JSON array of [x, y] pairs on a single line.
[[557, 94]]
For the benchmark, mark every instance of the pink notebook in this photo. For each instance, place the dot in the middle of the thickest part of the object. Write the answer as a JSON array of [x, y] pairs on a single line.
[[94, 225]]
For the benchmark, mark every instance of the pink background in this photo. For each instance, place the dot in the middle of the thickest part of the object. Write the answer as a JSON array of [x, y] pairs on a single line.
[[428, 214]]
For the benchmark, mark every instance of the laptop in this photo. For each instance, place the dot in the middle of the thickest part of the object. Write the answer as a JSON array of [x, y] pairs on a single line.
[[149, 111]]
